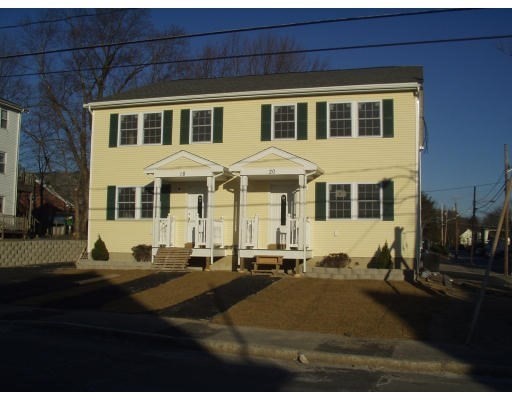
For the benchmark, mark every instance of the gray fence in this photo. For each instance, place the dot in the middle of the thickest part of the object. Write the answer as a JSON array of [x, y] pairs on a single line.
[[17, 253]]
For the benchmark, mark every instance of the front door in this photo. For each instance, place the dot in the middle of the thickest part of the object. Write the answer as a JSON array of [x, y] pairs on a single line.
[[196, 213], [283, 207]]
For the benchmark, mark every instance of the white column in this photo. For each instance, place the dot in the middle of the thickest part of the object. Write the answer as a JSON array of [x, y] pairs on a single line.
[[302, 211], [157, 185], [242, 213], [210, 183]]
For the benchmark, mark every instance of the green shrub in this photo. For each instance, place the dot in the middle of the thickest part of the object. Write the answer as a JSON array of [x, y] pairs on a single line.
[[382, 258], [142, 252], [100, 252], [335, 260]]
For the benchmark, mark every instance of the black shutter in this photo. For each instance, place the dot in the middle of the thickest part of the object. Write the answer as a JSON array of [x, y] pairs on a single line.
[[165, 200], [167, 133], [302, 121], [218, 116], [185, 126], [388, 123], [111, 203], [320, 201], [114, 121], [321, 120], [388, 200], [266, 122]]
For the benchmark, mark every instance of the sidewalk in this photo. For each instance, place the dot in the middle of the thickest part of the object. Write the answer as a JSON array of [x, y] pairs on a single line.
[[323, 349]]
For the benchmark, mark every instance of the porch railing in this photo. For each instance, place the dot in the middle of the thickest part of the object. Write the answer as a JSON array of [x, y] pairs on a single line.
[[13, 224], [202, 232], [250, 238], [166, 228]]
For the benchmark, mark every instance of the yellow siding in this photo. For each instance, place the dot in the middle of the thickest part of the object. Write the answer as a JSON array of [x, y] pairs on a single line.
[[343, 160]]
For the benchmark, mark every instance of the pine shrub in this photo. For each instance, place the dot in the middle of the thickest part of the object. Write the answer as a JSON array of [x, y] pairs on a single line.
[[100, 252]]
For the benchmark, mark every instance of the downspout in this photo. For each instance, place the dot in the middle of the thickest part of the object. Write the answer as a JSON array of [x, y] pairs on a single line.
[[420, 147], [89, 245]]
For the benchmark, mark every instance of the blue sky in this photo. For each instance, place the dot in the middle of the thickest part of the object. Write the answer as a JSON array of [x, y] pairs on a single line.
[[468, 106]]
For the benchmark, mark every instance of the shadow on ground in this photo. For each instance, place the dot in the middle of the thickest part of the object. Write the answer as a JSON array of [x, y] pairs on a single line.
[[51, 356]]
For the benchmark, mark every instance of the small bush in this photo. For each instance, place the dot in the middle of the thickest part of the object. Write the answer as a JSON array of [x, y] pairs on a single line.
[[437, 248], [142, 252], [382, 258], [336, 260], [100, 252]]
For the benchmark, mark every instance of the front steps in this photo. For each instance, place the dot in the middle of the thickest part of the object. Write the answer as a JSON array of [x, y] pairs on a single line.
[[172, 258]]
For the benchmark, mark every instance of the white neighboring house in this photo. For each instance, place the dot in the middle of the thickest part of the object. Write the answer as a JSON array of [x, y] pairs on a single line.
[[10, 126]]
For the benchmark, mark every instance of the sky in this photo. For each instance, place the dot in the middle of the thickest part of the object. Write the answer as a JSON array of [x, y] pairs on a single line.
[[467, 86]]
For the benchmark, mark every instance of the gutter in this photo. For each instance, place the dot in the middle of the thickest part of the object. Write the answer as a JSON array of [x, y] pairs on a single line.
[[334, 90]]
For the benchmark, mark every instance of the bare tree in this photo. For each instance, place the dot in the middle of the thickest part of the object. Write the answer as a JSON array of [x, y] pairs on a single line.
[[93, 74], [276, 59]]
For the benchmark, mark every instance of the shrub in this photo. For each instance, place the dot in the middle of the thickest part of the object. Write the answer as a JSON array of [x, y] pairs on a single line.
[[437, 248], [100, 252], [336, 260], [142, 252], [382, 258]]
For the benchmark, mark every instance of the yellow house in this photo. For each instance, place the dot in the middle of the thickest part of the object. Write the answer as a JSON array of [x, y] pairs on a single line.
[[298, 165]]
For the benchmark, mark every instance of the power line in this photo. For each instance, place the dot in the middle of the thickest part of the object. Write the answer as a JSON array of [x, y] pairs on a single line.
[[263, 54], [457, 188], [62, 19], [236, 30]]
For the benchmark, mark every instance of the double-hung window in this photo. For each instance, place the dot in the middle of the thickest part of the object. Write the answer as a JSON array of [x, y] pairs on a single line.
[[284, 126], [355, 119], [354, 201], [3, 118], [2, 162], [142, 128], [134, 202], [201, 126]]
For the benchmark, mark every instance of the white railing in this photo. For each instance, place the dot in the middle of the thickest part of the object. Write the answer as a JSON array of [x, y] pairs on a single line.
[[307, 232], [202, 232], [250, 227], [293, 233], [218, 232], [166, 231]]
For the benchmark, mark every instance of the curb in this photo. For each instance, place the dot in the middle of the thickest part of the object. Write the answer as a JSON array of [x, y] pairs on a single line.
[[269, 351]]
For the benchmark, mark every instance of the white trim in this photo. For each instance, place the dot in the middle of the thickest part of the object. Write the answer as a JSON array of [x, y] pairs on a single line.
[[140, 128], [272, 133], [91, 169], [209, 166], [191, 127], [383, 87]]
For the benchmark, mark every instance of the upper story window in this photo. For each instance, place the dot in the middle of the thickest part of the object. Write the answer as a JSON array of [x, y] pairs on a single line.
[[369, 119], [340, 119], [355, 119], [2, 162], [3, 119], [201, 126], [284, 122], [131, 132]]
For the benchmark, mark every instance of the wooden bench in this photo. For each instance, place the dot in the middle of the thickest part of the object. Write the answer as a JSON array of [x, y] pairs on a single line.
[[276, 261]]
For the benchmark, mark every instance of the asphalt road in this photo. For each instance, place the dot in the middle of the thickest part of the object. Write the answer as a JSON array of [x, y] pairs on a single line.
[[40, 358]]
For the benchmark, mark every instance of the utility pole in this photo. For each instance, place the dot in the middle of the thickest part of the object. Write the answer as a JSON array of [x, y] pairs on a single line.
[[473, 222], [506, 224], [442, 225], [456, 234]]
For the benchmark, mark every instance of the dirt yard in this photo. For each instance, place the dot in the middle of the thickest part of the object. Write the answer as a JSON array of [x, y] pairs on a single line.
[[371, 309]]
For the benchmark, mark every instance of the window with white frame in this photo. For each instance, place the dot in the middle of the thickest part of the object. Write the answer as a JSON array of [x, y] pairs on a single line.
[[2, 162], [340, 201], [132, 131], [353, 119], [3, 118], [369, 118], [135, 202], [152, 128], [128, 130], [354, 201], [340, 119], [201, 126], [284, 122], [368, 201]]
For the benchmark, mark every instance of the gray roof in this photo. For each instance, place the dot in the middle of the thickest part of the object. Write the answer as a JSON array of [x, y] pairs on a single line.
[[292, 80]]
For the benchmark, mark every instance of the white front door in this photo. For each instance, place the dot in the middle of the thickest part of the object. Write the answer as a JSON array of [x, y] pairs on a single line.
[[196, 210], [283, 206]]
